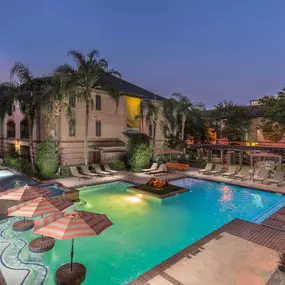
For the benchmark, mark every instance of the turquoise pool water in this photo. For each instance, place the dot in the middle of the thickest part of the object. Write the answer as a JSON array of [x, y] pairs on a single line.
[[147, 230], [9, 180]]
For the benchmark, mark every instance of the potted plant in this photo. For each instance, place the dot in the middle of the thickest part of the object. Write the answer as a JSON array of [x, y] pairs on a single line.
[[281, 267]]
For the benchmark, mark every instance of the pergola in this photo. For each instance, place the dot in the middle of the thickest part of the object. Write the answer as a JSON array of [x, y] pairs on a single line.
[[265, 154]]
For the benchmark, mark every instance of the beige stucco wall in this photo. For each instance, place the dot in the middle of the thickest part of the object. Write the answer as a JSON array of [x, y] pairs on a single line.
[[113, 123]]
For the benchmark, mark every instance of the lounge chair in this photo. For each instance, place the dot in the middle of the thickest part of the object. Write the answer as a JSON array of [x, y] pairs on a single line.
[[231, 171], [208, 168], [217, 170], [99, 170], [243, 174], [85, 170], [152, 168], [277, 178], [262, 175], [108, 169], [75, 173], [162, 169]]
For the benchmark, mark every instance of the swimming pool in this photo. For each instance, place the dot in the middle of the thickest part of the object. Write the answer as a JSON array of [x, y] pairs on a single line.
[[9, 180], [147, 230]]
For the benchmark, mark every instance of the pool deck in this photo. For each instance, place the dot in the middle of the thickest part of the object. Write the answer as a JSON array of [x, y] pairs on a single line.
[[238, 253]]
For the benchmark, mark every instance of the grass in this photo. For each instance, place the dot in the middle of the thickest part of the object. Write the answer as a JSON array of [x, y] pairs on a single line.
[[151, 189]]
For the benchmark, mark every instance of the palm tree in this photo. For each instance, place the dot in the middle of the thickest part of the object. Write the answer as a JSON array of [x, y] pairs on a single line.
[[26, 91], [56, 97], [152, 111], [184, 105], [85, 79], [170, 118]]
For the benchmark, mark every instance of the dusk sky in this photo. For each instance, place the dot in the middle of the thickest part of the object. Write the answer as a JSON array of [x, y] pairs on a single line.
[[209, 50]]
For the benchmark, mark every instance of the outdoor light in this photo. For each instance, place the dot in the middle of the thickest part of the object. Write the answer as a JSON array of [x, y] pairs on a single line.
[[140, 195]]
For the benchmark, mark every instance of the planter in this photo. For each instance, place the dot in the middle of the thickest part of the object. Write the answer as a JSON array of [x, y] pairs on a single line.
[[281, 271]]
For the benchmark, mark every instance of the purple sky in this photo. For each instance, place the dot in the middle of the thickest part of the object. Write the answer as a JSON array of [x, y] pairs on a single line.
[[209, 50]]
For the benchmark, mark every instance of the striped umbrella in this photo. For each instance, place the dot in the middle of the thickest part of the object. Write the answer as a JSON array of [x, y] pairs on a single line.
[[39, 207], [24, 193], [72, 225]]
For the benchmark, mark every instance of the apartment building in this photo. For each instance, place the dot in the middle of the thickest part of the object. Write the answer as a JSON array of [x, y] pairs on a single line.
[[107, 125]]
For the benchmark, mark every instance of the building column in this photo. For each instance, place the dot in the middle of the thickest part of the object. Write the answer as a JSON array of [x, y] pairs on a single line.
[[222, 153], [240, 158]]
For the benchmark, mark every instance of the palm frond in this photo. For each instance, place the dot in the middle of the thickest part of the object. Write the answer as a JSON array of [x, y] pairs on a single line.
[[22, 73]]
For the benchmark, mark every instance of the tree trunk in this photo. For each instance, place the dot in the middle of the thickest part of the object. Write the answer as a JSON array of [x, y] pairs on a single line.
[[153, 138], [31, 144], [86, 157], [183, 128]]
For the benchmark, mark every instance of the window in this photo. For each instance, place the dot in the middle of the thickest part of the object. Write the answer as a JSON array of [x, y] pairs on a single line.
[[71, 127], [72, 101], [98, 102], [24, 130], [11, 148], [14, 107], [11, 129], [150, 130], [98, 128]]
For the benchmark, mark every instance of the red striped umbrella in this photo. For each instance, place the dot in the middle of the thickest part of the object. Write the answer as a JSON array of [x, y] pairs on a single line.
[[39, 207], [24, 193], [72, 225]]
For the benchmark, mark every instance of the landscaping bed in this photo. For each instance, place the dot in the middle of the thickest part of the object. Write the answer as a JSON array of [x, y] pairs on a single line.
[[168, 191]]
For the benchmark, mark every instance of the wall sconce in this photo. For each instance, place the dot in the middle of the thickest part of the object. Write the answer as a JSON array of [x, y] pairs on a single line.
[[17, 146]]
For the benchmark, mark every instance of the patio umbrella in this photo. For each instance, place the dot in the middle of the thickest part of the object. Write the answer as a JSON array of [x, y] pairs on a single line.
[[169, 151], [23, 194], [72, 225], [39, 207]]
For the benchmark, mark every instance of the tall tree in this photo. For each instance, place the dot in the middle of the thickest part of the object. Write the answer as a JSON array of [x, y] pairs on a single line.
[[184, 106], [85, 78], [57, 94], [274, 116], [26, 90], [230, 120], [151, 111]]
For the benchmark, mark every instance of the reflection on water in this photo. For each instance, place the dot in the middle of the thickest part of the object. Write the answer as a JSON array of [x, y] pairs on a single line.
[[227, 194], [257, 200]]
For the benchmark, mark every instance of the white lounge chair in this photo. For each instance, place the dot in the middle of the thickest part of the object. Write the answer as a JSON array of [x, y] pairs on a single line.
[[262, 175], [75, 173], [209, 167], [108, 169], [162, 169], [152, 168], [217, 170], [231, 171], [85, 170], [99, 170], [277, 178], [243, 174]]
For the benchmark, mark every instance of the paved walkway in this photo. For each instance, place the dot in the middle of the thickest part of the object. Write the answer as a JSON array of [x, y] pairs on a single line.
[[245, 256]]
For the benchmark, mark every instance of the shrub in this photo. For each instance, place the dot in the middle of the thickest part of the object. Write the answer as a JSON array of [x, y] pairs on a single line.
[[117, 165], [47, 158], [12, 160], [140, 156]]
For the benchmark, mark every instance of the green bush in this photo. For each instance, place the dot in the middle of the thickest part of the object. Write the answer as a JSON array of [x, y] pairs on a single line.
[[140, 157], [47, 158], [18, 162], [117, 165], [12, 160]]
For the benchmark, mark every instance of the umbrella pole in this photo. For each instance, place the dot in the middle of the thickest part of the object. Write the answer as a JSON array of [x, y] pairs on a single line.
[[71, 254]]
